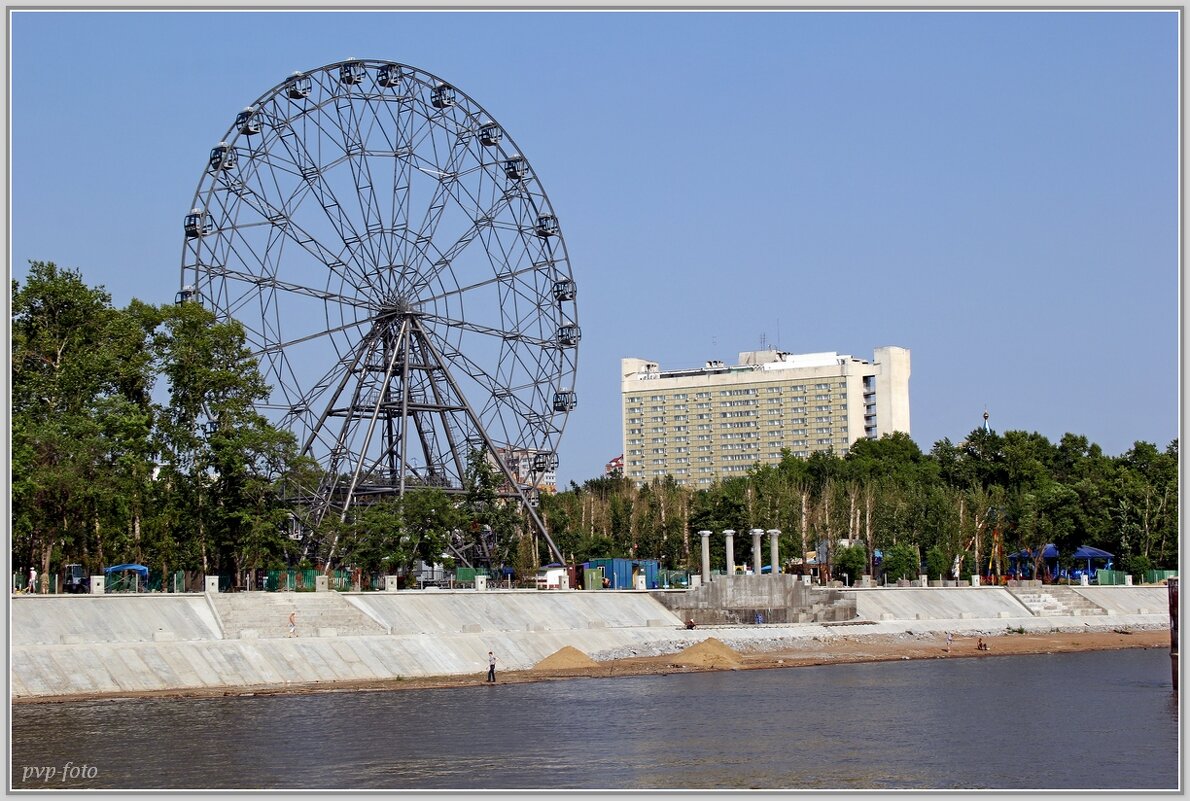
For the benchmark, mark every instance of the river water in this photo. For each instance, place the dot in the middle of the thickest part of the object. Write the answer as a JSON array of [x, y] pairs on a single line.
[[1099, 720]]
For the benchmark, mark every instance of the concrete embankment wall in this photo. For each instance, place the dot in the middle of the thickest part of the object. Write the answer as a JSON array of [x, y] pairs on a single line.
[[74, 619], [937, 603], [1127, 600], [72, 645], [115, 644], [503, 611], [1004, 603]]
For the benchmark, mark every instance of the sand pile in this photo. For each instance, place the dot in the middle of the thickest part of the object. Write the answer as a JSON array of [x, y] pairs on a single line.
[[708, 653], [568, 658]]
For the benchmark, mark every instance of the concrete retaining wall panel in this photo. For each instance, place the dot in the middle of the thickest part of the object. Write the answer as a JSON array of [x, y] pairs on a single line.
[[937, 603], [45, 619], [1123, 600]]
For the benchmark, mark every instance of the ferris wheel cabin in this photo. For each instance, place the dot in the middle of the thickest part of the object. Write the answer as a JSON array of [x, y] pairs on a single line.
[[545, 462], [247, 122], [569, 335], [442, 96], [351, 72], [195, 223], [515, 168], [298, 86], [490, 134], [389, 76], [186, 294], [547, 226], [565, 290], [222, 157], [565, 400]]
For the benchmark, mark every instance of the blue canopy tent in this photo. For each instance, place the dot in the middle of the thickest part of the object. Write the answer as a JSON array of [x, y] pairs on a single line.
[[140, 570], [1021, 562], [1086, 552]]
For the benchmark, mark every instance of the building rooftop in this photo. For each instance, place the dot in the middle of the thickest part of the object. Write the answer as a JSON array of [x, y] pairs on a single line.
[[749, 361]]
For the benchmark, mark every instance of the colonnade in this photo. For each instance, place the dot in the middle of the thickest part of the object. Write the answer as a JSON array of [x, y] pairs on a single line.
[[729, 543]]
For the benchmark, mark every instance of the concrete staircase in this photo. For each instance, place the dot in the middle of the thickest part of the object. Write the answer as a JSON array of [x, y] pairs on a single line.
[[266, 614], [1056, 600]]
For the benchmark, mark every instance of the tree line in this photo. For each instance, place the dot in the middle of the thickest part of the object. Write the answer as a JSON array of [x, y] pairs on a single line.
[[135, 439], [960, 509]]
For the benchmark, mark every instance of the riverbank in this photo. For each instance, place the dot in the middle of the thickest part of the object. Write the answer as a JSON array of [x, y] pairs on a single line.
[[710, 654]]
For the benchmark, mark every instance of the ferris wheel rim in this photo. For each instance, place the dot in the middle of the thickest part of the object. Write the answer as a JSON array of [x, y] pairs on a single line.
[[559, 260]]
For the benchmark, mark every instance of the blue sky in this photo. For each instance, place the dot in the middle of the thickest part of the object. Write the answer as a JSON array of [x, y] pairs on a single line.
[[997, 192]]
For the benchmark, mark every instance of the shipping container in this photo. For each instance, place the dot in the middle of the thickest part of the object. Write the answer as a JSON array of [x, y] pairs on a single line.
[[622, 573], [651, 569], [618, 572]]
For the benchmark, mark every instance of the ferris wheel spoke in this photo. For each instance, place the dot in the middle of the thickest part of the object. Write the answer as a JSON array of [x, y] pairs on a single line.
[[355, 153], [493, 332], [312, 172], [446, 257], [498, 278], [500, 391], [267, 281], [300, 402], [276, 347], [447, 172], [281, 219], [409, 129]]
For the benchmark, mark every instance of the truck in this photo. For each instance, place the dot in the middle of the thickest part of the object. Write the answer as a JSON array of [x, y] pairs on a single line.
[[76, 580]]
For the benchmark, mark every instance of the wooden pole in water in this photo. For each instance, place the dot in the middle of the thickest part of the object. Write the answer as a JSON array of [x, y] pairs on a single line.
[[1172, 584]]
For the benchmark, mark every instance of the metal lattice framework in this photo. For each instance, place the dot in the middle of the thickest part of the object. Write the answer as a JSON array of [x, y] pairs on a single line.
[[402, 279]]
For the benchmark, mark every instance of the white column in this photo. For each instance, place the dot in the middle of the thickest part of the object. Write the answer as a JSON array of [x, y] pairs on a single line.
[[728, 534], [756, 533], [774, 534], [706, 556]]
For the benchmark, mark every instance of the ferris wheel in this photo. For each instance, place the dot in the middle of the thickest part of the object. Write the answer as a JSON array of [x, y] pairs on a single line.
[[402, 280]]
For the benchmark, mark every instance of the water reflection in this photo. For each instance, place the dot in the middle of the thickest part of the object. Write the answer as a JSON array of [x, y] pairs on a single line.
[[942, 724]]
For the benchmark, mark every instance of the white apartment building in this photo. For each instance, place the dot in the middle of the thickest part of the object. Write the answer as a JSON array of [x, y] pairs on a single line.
[[717, 420]]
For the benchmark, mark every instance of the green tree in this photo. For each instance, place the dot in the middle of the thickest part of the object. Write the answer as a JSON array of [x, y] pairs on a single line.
[[852, 560], [80, 385], [223, 460], [900, 561]]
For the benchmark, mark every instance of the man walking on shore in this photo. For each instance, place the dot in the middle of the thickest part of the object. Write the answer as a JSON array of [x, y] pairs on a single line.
[[491, 667], [293, 623]]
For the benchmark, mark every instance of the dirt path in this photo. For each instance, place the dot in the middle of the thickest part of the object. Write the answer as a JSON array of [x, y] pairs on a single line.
[[714, 655]]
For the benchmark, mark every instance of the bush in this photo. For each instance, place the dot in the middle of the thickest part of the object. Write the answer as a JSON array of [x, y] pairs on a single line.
[[852, 560], [1137, 564], [937, 565], [900, 561]]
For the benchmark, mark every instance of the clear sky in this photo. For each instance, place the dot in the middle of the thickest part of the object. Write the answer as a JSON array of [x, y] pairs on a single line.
[[997, 192]]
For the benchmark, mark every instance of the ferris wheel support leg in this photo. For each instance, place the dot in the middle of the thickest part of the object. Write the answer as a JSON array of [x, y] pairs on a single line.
[[538, 523], [371, 426]]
